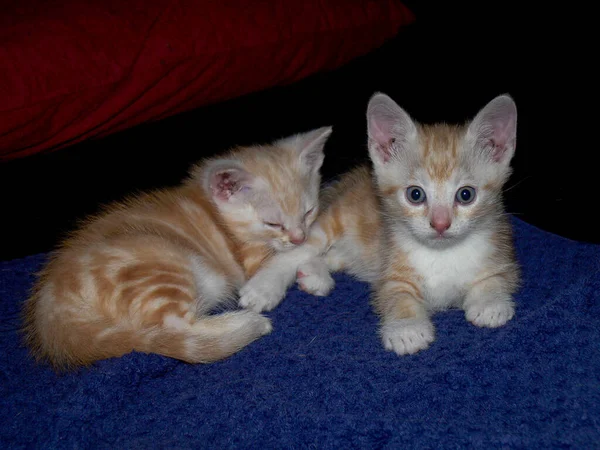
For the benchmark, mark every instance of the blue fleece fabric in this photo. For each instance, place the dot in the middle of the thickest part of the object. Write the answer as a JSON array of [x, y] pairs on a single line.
[[323, 380]]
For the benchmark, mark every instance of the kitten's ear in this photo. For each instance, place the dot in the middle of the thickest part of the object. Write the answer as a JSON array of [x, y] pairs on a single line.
[[494, 129], [309, 146], [389, 127], [229, 182]]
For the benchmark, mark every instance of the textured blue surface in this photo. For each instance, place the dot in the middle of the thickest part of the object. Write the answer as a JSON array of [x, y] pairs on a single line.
[[323, 380]]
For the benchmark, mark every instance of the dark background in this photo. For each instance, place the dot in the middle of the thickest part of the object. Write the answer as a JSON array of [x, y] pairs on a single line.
[[445, 67]]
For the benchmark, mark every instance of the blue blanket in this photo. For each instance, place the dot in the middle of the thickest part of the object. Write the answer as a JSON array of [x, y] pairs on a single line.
[[323, 380]]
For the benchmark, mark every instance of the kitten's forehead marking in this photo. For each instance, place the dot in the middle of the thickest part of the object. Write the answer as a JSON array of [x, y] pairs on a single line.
[[440, 146]]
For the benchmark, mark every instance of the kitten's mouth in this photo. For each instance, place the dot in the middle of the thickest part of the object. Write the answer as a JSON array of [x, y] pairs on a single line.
[[445, 239], [441, 238]]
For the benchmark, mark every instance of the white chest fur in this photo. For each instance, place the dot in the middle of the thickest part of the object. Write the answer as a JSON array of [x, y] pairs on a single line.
[[446, 274]]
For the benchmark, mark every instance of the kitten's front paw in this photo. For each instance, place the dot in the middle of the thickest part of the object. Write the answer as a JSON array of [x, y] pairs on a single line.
[[261, 295], [490, 314], [407, 336], [319, 284]]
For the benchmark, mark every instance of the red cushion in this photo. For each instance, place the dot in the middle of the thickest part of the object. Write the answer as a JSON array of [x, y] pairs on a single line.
[[72, 70]]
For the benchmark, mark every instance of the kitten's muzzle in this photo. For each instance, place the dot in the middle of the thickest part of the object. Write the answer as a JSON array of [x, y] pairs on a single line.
[[297, 236]]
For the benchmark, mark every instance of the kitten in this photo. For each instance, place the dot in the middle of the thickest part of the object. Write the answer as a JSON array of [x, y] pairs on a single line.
[[145, 274], [425, 227], [346, 236]]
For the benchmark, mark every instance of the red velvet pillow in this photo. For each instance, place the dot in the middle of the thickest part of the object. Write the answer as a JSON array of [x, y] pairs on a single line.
[[72, 70]]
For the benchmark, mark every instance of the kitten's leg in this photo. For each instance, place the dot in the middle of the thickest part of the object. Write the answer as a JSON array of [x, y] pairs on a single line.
[[405, 327], [265, 290], [334, 260], [313, 277], [489, 303]]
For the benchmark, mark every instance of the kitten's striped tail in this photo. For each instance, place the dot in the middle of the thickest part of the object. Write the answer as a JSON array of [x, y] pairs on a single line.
[[210, 338], [204, 340]]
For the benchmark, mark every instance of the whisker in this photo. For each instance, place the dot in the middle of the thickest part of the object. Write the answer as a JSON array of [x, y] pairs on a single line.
[[509, 188]]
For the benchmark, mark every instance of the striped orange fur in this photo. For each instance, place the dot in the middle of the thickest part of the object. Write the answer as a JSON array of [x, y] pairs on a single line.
[[146, 274]]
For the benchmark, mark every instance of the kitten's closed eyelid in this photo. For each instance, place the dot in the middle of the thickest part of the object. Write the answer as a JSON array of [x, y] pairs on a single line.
[[309, 211], [274, 225]]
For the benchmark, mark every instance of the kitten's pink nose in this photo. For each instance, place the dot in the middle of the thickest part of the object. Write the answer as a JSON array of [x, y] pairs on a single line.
[[440, 226], [440, 220], [297, 237]]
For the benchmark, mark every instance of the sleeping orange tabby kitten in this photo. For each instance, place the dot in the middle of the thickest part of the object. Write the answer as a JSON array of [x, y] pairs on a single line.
[[425, 226], [145, 274]]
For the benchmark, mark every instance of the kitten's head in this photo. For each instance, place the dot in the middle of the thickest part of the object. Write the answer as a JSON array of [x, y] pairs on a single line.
[[270, 193], [441, 182]]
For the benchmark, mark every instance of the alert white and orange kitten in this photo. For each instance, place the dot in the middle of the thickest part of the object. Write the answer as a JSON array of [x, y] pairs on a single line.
[[146, 274], [425, 226]]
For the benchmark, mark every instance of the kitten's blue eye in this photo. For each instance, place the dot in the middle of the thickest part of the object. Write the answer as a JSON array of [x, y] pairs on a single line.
[[415, 194], [465, 195]]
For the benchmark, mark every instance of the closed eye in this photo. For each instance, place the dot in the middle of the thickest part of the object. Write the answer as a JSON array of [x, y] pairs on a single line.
[[309, 212], [274, 225]]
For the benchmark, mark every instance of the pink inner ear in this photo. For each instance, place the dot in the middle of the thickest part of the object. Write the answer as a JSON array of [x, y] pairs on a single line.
[[498, 152], [225, 185], [501, 138], [380, 132]]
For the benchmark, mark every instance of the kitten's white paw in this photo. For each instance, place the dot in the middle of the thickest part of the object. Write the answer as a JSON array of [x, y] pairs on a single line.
[[407, 336], [260, 294], [319, 284], [490, 314], [249, 322], [261, 323]]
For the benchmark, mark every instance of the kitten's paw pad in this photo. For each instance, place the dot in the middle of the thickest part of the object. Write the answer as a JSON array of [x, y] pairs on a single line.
[[490, 314], [316, 284], [260, 296], [407, 336]]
